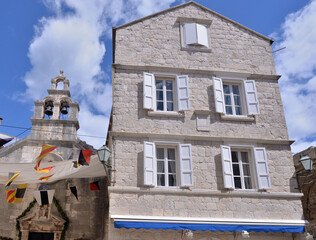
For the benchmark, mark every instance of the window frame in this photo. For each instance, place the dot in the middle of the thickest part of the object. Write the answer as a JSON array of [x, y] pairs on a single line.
[[164, 90], [196, 43], [166, 168], [255, 170], [181, 96], [247, 104], [182, 173], [187, 47], [241, 169], [230, 83]]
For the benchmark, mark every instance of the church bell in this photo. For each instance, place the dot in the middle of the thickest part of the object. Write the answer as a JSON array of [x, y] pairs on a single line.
[[64, 108], [49, 109]]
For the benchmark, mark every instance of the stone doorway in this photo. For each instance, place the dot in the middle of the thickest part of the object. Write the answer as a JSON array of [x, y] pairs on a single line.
[[41, 224], [41, 236]]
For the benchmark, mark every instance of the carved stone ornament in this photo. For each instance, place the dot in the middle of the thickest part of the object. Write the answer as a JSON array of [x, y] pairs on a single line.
[[42, 220]]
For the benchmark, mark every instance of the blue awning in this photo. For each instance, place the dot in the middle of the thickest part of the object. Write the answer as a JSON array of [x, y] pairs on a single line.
[[209, 227]]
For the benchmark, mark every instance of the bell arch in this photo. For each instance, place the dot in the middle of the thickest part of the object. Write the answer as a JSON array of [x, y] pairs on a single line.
[[48, 108]]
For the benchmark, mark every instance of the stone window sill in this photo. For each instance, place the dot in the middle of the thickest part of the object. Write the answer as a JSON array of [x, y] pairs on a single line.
[[238, 118], [196, 49], [165, 114]]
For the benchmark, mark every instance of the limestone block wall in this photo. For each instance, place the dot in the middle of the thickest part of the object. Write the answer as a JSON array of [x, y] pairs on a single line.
[[142, 234], [206, 199], [156, 42], [128, 113], [86, 215], [191, 205], [54, 130], [206, 161]]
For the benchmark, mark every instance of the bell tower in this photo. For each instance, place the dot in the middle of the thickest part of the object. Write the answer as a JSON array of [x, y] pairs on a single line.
[[56, 115]]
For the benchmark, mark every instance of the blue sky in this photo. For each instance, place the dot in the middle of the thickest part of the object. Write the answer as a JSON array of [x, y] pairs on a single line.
[[40, 37]]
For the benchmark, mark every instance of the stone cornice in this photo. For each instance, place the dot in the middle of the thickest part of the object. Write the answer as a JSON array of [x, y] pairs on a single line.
[[200, 138], [205, 193], [55, 121], [194, 71]]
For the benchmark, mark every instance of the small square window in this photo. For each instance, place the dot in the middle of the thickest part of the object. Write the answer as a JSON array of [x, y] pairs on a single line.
[[195, 34]]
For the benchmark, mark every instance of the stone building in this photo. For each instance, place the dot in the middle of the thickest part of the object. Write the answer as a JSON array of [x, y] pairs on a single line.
[[307, 185], [200, 148], [55, 122]]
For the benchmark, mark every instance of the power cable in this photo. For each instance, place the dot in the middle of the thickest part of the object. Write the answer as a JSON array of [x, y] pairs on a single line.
[[22, 132]]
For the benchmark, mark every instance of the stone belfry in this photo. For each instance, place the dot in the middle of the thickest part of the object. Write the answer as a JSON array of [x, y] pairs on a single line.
[[56, 115]]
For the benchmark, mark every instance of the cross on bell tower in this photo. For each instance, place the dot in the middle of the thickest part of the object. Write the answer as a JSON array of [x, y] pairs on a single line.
[[56, 115]]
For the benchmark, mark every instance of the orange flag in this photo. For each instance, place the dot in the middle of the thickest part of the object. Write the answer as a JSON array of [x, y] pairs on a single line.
[[45, 179], [46, 149], [45, 170], [10, 196]]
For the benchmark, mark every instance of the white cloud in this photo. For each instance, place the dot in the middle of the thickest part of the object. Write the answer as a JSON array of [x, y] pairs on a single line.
[[93, 127], [297, 65], [73, 40]]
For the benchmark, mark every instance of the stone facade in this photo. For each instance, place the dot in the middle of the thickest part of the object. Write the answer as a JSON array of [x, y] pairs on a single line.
[[154, 45], [86, 215]]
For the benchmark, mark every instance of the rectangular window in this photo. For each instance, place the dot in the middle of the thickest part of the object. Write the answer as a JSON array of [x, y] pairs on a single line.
[[235, 97], [233, 105], [245, 168], [166, 166], [241, 169], [164, 95]]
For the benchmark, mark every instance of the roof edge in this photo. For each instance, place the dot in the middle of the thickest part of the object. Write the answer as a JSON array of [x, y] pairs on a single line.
[[201, 6]]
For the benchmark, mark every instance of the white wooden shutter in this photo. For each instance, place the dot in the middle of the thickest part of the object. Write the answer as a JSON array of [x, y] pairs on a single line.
[[251, 97], [186, 168], [183, 92], [219, 95], [202, 35], [262, 169], [149, 164], [148, 91], [190, 33], [227, 166]]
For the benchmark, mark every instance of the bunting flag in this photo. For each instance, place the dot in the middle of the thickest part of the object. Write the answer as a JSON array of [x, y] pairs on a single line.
[[45, 170], [10, 195], [4, 141], [75, 164], [94, 186], [44, 197], [74, 191], [11, 180], [20, 193], [45, 179], [84, 157], [46, 149]]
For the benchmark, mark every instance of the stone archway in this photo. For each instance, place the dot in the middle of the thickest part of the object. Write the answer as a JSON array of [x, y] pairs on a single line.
[[41, 221]]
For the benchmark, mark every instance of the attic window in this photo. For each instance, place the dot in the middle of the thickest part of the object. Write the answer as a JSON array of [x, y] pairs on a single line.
[[195, 34]]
